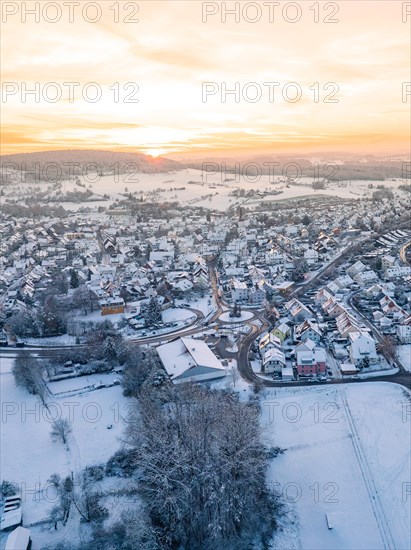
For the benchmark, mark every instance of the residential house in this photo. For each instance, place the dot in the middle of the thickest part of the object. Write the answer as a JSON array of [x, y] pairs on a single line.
[[269, 341], [273, 361], [365, 277], [282, 332], [111, 305], [356, 268], [311, 256], [307, 330], [404, 332], [362, 348], [239, 291], [310, 359], [297, 310], [346, 324]]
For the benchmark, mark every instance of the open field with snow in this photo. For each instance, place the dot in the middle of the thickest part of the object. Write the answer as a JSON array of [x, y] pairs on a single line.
[[29, 456], [347, 454], [208, 190]]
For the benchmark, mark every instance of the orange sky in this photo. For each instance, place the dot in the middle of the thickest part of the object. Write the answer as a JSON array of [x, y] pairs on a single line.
[[170, 52]]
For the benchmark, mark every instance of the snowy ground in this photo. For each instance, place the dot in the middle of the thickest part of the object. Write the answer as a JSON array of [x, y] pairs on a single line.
[[29, 456], [96, 317], [206, 304], [176, 314], [175, 187], [404, 355], [63, 340], [80, 382], [347, 455]]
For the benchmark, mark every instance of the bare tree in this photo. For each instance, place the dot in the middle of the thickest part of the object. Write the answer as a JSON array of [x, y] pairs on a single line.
[[60, 430], [202, 468], [388, 348], [64, 490]]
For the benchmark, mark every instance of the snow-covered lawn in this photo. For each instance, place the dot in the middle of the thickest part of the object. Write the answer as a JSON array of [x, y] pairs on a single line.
[[347, 455], [96, 317], [63, 340], [80, 382], [175, 314], [93, 413], [206, 304], [29, 456], [404, 355]]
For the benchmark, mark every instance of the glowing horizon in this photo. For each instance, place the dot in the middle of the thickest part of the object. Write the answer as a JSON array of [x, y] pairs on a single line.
[[171, 52]]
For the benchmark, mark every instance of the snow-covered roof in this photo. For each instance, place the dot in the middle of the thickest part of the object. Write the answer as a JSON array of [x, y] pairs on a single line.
[[11, 518], [18, 539], [183, 354], [274, 354], [284, 328]]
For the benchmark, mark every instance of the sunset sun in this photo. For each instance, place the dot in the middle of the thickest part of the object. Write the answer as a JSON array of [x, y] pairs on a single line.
[[155, 152]]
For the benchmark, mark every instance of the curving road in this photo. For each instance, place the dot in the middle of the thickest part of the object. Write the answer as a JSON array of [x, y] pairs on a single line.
[[243, 363], [244, 346]]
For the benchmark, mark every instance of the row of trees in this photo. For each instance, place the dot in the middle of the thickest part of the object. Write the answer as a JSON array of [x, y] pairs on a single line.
[[52, 316], [104, 349]]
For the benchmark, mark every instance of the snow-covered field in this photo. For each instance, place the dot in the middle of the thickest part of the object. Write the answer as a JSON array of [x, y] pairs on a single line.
[[205, 304], [174, 314], [176, 187], [347, 455], [29, 456]]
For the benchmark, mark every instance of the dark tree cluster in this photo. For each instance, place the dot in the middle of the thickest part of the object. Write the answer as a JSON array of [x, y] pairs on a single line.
[[202, 469]]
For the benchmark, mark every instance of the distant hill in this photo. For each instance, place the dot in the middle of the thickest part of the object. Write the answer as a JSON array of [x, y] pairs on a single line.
[[105, 161]]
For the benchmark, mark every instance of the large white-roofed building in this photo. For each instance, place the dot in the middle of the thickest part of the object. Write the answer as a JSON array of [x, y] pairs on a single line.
[[190, 360]]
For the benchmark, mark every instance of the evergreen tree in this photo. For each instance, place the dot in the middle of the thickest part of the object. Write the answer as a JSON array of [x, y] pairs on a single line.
[[110, 352], [74, 282], [152, 314]]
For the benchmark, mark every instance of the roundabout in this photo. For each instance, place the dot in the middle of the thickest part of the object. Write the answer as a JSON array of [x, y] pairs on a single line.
[[244, 316]]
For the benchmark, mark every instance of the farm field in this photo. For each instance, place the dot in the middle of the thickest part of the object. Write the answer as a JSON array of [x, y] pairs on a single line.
[[206, 190], [348, 456]]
